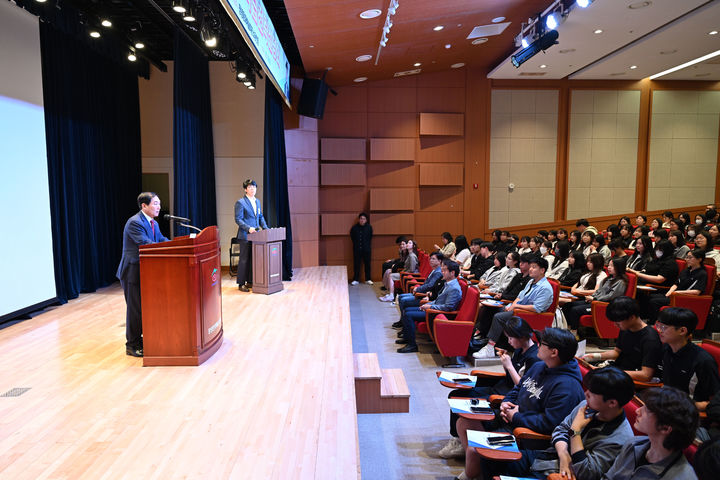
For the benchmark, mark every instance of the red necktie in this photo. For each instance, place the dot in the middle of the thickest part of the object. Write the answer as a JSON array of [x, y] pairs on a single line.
[[152, 225]]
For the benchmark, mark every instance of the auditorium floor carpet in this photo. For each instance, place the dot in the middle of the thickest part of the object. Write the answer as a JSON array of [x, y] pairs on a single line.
[[401, 445]]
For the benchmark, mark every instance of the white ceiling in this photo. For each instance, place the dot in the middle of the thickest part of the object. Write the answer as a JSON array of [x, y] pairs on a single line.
[[629, 37]]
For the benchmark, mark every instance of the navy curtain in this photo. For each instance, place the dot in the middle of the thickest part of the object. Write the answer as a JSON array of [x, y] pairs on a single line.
[[92, 123], [194, 159], [275, 183]]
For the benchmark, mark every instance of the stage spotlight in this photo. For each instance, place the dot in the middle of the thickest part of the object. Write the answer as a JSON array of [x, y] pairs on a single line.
[[208, 35], [249, 80], [179, 6], [94, 34], [524, 42], [132, 57], [106, 23], [189, 16], [139, 45], [583, 3], [551, 21], [540, 45]]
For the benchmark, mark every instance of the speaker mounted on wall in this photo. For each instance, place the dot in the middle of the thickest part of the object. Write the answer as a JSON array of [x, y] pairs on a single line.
[[312, 97]]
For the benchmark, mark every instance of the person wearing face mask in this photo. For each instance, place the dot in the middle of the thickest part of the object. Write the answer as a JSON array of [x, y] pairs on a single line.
[[546, 249], [691, 232]]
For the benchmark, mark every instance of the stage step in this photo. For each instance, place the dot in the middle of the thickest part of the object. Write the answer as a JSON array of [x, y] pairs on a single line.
[[379, 390]]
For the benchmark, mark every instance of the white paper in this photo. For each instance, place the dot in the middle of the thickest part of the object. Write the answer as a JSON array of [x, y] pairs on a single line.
[[464, 404], [449, 376], [567, 295], [581, 348], [480, 438]]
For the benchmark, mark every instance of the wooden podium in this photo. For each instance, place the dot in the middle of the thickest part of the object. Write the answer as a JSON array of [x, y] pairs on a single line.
[[181, 299], [267, 260]]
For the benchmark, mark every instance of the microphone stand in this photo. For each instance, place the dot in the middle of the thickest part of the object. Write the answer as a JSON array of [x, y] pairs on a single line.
[[189, 226]]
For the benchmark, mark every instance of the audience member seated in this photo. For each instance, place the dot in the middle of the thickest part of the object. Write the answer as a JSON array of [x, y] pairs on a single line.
[[534, 245], [462, 250], [561, 263], [576, 269], [588, 283], [703, 241], [552, 238], [481, 261], [448, 246], [447, 301], [600, 247], [667, 217], [507, 273], [660, 271], [524, 245], [546, 252], [589, 440], [677, 224], [714, 235], [612, 287], [655, 225], [575, 243], [410, 266], [677, 239], [707, 460], [640, 220], [524, 355], [691, 232], [492, 275], [639, 232], [583, 226], [498, 244], [406, 300], [669, 419], [638, 350], [395, 264], [691, 281], [617, 248], [562, 234], [586, 243], [543, 397], [685, 365], [642, 254], [625, 235], [537, 296], [661, 234], [624, 222], [516, 285]]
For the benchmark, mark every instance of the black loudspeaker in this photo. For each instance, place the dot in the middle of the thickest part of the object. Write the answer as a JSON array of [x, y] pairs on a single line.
[[312, 98]]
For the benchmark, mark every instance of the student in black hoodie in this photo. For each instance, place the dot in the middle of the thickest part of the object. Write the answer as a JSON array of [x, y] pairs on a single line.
[[544, 396]]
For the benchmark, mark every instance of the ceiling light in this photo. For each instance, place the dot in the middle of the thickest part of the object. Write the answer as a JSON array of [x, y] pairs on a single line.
[[179, 6], [543, 66], [438, 28], [247, 83], [372, 13], [457, 65], [106, 23], [211, 41], [139, 45], [637, 5], [478, 41], [498, 19], [539, 45], [524, 42], [447, 45], [94, 34], [714, 32], [551, 21], [686, 64], [41, 1], [132, 57], [241, 75], [633, 67], [598, 31], [583, 3], [208, 35], [363, 58], [189, 16], [360, 79], [417, 64], [251, 87]]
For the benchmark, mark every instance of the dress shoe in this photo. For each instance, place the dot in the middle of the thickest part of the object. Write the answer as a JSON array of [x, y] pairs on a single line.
[[397, 324], [400, 334], [134, 352], [243, 288], [408, 349], [401, 341]]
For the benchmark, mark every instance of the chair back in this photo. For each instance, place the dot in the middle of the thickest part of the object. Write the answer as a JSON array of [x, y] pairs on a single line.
[[713, 348], [631, 409], [603, 326], [691, 246], [468, 306], [556, 295], [682, 264], [424, 268], [631, 288], [463, 286], [629, 251], [711, 278]]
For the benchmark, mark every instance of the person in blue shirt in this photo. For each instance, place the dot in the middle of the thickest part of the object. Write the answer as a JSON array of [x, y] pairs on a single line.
[[447, 301], [537, 296], [406, 300]]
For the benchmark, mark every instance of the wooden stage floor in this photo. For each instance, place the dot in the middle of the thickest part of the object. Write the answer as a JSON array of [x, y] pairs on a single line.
[[276, 401]]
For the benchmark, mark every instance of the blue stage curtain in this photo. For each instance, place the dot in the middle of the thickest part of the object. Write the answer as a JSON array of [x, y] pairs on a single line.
[[275, 182], [194, 159], [92, 123]]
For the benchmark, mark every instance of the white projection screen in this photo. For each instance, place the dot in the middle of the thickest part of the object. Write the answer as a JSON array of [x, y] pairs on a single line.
[[27, 277]]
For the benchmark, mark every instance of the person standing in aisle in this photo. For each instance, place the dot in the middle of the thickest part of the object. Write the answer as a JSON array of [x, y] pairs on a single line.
[[361, 234]]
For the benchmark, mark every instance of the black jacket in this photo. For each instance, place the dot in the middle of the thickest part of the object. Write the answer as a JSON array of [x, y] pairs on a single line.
[[361, 237]]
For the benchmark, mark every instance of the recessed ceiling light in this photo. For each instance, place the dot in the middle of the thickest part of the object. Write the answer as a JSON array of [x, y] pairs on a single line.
[[372, 13], [566, 50], [636, 5], [94, 34], [633, 67], [311, 46], [597, 32], [360, 79], [106, 23], [478, 41], [363, 58], [543, 66], [447, 45], [417, 64], [139, 45], [438, 28], [498, 19], [132, 57], [667, 52], [714, 32], [457, 65]]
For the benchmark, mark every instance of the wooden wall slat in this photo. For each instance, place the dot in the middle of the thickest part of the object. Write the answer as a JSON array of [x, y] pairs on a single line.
[[441, 174], [337, 223], [342, 174], [392, 149], [440, 199], [393, 223], [441, 150], [343, 199], [442, 124], [391, 175], [345, 149], [392, 199]]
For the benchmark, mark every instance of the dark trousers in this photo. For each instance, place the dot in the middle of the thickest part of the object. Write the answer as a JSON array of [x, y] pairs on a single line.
[[655, 302], [574, 310], [408, 319], [360, 256], [130, 282], [244, 271], [498, 324], [484, 319]]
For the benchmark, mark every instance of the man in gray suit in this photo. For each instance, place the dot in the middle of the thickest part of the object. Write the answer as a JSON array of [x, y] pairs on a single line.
[[140, 229], [249, 217]]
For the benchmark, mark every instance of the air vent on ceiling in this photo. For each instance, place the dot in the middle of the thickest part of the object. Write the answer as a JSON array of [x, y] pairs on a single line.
[[488, 30], [532, 74], [408, 72]]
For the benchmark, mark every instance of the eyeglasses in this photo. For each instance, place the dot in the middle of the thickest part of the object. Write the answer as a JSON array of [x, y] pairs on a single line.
[[546, 344], [661, 327]]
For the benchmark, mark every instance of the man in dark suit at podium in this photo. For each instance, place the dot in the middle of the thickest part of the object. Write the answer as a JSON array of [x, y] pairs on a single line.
[[249, 217], [140, 229]]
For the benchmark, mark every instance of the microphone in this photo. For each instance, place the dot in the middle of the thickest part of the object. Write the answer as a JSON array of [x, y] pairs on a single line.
[[169, 218]]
